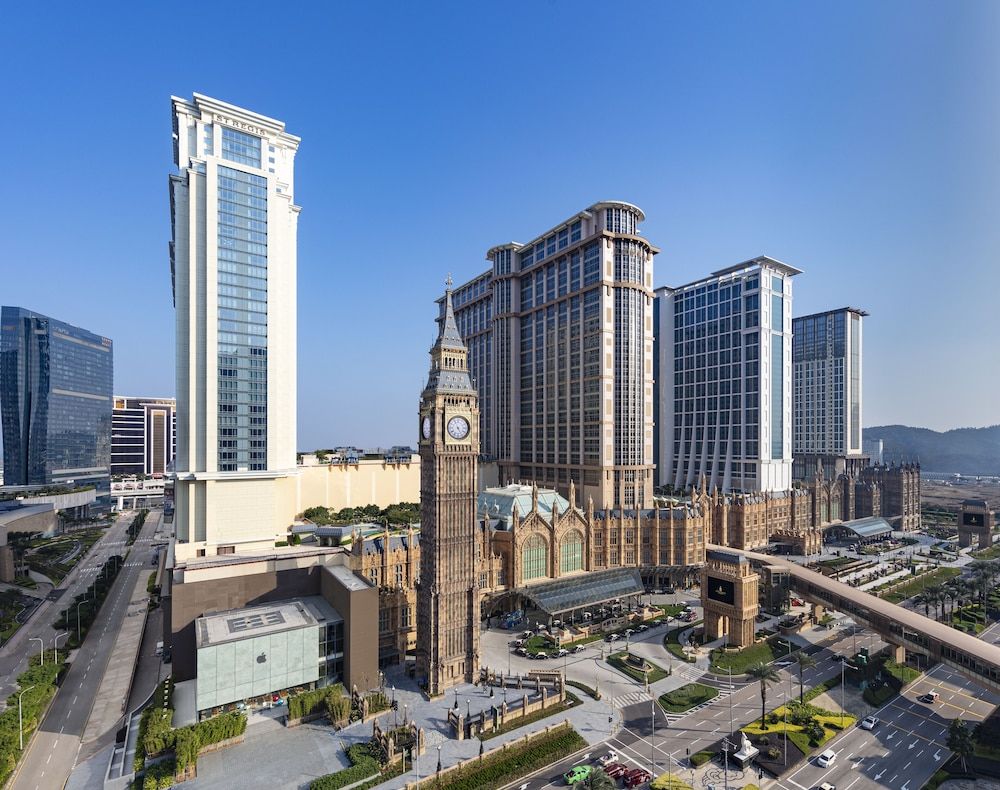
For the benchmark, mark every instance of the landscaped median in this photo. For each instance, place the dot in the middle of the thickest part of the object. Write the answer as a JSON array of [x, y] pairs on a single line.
[[629, 664], [739, 661], [686, 697], [38, 686], [672, 642], [807, 727]]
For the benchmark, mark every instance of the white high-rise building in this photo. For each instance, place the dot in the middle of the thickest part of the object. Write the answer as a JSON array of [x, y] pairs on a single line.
[[724, 379], [827, 400], [233, 267]]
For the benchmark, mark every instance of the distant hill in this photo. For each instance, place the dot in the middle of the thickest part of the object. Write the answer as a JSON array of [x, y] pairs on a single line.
[[967, 451]]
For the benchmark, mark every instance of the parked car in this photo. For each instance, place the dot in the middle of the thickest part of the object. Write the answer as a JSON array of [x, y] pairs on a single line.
[[540, 655], [610, 757], [642, 627], [579, 648], [615, 770], [868, 723], [930, 697], [521, 651], [577, 774], [628, 632], [636, 777], [611, 637], [562, 651], [669, 590], [518, 643], [826, 786], [527, 634], [827, 758]]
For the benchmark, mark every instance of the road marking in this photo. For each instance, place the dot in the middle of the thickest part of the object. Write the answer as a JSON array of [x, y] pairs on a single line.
[[852, 784], [907, 765], [937, 755]]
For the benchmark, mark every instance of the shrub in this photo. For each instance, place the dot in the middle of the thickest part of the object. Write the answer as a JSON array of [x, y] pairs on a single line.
[[774, 753], [698, 759]]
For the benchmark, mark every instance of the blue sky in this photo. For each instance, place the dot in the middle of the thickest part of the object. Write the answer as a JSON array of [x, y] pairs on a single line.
[[856, 141]]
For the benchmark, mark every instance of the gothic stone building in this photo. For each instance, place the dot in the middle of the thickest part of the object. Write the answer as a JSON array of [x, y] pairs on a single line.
[[527, 536]]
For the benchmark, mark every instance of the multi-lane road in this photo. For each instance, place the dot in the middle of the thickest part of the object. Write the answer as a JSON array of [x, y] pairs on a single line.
[[53, 750], [903, 751]]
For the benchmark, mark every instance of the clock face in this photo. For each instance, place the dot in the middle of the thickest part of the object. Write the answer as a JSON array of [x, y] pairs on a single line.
[[425, 427], [458, 427]]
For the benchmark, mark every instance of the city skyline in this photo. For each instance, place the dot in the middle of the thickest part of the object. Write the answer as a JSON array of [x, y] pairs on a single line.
[[835, 167]]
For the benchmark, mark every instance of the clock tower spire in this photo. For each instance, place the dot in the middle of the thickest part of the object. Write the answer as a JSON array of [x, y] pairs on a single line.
[[448, 593]]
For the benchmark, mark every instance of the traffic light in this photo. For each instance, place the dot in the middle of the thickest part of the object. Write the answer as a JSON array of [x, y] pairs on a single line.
[[395, 705]]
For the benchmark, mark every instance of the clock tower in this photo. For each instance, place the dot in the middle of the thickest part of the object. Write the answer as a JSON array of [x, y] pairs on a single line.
[[448, 592]]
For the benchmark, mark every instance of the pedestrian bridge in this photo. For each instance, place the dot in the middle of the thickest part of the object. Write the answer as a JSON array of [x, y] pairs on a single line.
[[974, 658]]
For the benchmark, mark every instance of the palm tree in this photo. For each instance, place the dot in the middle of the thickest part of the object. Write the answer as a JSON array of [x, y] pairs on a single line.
[[925, 599], [805, 661], [936, 593], [766, 674]]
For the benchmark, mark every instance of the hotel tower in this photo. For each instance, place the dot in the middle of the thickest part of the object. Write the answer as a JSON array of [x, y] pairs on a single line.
[[233, 268]]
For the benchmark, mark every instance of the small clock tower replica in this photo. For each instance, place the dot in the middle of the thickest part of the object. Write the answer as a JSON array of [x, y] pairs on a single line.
[[448, 593]]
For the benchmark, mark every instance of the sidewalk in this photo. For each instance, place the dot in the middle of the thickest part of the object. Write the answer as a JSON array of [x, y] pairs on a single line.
[[112, 696]]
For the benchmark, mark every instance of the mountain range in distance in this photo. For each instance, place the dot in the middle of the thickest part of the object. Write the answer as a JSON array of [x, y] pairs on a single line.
[[966, 451]]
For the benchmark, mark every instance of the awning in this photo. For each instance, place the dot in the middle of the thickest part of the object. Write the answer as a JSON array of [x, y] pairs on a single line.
[[588, 589]]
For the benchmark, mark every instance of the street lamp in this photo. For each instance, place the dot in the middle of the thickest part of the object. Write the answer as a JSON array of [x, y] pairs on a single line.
[[726, 746], [456, 699], [41, 648], [78, 605], [468, 709], [20, 726], [55, 645], [439, 758]]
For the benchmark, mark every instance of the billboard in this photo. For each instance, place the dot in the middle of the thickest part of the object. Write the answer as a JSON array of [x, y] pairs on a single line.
[[972, 519], [722, 590]]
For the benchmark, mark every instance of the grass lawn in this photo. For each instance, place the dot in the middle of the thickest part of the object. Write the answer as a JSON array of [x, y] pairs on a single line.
[[917, 585], [671, 643], [740, 661], [833, 723], [970, 619], [878, 697], [987, 554], [671, 609], [537, 644], [904, 673], [686, 697], [836, 562], [617, 660]]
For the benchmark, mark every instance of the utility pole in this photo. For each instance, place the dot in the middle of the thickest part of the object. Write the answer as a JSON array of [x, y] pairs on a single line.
[[20, 726]]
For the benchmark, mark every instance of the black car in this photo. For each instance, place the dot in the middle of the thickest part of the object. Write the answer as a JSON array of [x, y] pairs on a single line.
[[669, 591]]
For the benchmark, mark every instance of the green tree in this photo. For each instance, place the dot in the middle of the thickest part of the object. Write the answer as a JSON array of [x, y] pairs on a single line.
[[960, 741], [765, 674], [805, 661], [598, 780]]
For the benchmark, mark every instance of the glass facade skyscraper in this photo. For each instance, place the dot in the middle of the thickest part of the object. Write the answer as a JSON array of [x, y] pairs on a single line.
[[723, 392], [55, 400], [827, 410], [233, 265]]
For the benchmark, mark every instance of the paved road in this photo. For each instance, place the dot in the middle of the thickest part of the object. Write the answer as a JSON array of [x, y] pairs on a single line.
[[14, 654], [674, 737], [908, 745], [54, 748]]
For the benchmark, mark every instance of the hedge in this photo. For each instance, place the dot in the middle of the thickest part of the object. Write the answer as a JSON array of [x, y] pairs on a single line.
[[584, 688], [364, 764], [317, 701], [157, 777], [826, 685], [33, 704], [506, 765]]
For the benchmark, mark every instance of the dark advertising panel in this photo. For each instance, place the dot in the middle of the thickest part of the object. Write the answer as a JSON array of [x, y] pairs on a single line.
[[972, 519], [722, 590]]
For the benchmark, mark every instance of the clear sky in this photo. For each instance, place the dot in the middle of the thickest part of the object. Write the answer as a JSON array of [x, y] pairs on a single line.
[[856, 141]]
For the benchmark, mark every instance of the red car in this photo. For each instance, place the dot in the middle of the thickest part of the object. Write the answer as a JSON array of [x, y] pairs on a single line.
[[614, 770], [636, 777]]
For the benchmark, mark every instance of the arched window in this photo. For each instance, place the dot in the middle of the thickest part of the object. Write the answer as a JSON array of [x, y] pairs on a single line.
[[571, 552], [534, 558]]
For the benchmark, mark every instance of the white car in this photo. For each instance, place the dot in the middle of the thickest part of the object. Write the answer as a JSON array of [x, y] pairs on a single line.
[[562, 652], [827, 758], [610, 757], [868, 723]]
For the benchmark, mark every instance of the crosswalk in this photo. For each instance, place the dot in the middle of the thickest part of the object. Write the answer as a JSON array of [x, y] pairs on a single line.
[[687, 673]]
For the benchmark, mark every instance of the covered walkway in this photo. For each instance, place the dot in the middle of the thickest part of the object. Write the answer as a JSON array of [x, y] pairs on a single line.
[[974, 658]]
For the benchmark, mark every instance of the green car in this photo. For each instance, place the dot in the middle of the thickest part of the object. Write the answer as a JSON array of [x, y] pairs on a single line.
[[577, 774]]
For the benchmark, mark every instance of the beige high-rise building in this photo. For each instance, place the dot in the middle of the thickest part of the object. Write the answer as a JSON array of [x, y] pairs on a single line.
[[560, 339], [233, 266]]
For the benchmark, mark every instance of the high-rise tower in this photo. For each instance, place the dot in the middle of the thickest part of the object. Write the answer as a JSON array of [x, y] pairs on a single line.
[[448, 596], [233, 265]]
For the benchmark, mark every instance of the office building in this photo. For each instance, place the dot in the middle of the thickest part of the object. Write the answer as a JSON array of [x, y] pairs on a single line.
[[724, 394], [827, 393], [874, 450], [143, 436], [233, 267], [55, 399], [560, 340]]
